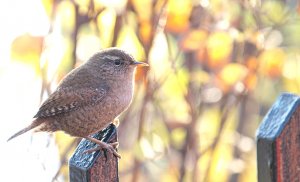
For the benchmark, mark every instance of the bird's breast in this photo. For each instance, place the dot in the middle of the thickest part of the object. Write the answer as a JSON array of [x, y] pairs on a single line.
[[124, 95]]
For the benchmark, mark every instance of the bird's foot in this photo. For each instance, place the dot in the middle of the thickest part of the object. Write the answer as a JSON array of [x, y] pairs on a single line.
[[110, 147], [116, 122]]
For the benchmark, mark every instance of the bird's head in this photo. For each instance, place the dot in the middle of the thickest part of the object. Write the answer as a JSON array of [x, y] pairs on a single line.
[[115, 62]]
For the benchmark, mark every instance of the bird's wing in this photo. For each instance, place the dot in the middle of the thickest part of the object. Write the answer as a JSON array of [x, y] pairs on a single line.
[[67, 100]]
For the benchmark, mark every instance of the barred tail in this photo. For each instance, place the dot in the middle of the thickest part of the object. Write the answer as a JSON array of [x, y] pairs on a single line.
[[34, 124]]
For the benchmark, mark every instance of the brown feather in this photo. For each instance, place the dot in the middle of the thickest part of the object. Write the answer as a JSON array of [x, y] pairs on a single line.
[[67, 100], [35, 123]]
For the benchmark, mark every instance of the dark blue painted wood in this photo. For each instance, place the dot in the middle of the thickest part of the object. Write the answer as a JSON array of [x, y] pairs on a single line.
[[81, 163], [278, 116], [271, 127]]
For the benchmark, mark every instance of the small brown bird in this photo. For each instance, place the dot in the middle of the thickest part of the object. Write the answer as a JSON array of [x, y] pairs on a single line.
[[89, 98]]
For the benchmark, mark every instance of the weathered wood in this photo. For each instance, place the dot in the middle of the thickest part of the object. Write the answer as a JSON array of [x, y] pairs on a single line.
[[95, 166], [278, 142]]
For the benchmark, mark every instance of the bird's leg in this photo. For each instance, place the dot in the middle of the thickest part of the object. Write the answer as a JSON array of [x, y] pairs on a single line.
[[110, 147]]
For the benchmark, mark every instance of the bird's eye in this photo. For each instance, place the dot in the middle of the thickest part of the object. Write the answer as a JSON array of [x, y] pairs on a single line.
[[117, 62]]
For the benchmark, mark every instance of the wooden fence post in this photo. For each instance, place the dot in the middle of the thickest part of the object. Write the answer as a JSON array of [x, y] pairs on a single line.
[[95, 166], [278, 142]]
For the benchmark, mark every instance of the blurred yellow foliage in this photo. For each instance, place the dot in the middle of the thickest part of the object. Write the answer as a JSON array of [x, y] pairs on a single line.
[[194, 39], [219, 47], [178, 15], [106, 21], [278, 13], [66, 15], [252, 63], [291, 74], [48, 6], [145, 32], [128, 40], [271, 62], [27, 49], [231, 74], [251, 81], [143, 8]]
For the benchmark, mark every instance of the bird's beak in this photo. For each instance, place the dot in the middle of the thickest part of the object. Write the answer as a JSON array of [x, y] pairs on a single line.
[[136, 63]]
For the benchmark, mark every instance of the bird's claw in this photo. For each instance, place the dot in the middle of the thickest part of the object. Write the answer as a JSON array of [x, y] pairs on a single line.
[[110, 147]]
